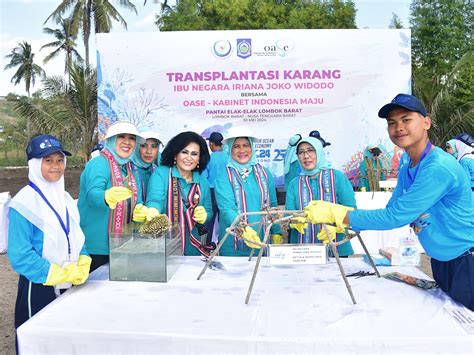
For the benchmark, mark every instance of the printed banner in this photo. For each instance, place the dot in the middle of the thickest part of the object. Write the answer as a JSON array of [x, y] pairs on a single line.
[[276, 82]]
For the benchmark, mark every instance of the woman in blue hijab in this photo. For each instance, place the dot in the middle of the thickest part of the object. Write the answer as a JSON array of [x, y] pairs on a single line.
[[246, 186], [317, 181]]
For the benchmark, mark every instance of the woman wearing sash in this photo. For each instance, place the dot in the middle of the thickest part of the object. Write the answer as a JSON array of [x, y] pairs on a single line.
[[179, 189], [245, 186], [109, 191], [45, 241], [317, 181], [145, 159], [371, 169]]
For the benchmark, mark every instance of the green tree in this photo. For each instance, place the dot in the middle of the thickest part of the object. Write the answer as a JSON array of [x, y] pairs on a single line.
[[65, 41], [23, 58], [256, 14], [395, 22], [68, 111], [91, 14], [442, 67]]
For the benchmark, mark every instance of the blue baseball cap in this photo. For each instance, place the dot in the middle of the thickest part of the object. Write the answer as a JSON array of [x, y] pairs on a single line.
[[43, 145], [409, 102]]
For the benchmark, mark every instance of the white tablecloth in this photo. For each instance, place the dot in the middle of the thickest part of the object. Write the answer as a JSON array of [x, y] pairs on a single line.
[[293, 309], [374, 240]]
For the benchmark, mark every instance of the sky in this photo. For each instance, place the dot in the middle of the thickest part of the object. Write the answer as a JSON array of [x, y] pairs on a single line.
[[22, 20]]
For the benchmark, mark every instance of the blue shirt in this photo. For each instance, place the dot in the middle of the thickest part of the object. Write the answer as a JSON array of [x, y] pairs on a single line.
[[216, 166], [157, 196], [94, 211], [439, 203], [468, 165], [25, 248], [228, 207], [344, 196]]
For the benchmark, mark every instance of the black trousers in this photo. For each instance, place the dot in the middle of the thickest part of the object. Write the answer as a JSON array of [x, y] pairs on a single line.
[[98, 261], [456, 277], [30, 299]]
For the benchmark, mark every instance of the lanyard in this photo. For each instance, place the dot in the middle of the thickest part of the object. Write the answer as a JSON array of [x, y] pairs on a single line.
[[423, 155], [66, 228]]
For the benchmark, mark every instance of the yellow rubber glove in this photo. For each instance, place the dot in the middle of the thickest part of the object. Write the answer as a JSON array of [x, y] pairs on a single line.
[[299, 224], [83, 266], [326, 212], [151, 213], [117, 194], [322, 236], [200, 215], [252, 236], [277, 239], [56, 275], [140, 213]]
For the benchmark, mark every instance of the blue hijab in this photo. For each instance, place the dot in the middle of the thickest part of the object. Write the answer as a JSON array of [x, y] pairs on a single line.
[[253, 159], [452, 144], [291, 156], [321, 162], [137, 159], [110, 146]]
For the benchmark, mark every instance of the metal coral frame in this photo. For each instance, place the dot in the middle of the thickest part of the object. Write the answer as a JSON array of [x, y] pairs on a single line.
[[271, 216]]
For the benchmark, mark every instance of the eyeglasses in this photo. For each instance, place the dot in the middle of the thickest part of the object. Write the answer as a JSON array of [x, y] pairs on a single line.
[[310, 152]]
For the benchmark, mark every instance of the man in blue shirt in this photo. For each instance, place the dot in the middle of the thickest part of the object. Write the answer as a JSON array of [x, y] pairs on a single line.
[[216, 165], [433, 195]]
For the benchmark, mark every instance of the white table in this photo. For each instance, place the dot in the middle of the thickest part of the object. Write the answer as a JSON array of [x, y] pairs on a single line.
[[374, 240], [293, 309]]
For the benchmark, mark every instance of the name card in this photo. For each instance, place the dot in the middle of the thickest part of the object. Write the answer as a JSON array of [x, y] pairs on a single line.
[[289, 254]]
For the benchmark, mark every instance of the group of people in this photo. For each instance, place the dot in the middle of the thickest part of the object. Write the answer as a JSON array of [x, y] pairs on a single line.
[[53, 244]]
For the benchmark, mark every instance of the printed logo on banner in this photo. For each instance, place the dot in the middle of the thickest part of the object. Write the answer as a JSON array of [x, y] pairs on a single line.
[[244, 47], [280, 48], [222, 48]]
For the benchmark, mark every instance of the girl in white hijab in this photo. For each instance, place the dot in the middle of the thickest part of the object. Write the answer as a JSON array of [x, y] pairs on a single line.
[[45, 241]]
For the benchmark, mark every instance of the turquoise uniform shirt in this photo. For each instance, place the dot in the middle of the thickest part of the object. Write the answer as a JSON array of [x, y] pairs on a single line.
[[216, 166], [468, 165], [439, 203], [157, 197], [294, 171], [228, 208], [94, 212], [25, 248], [344, 196], [144, 177]]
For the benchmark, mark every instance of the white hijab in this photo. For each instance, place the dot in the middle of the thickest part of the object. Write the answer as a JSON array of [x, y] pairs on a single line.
[[464, 150], [32, 206]]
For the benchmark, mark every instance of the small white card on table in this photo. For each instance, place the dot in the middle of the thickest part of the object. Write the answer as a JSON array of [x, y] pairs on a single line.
[[288, 254]]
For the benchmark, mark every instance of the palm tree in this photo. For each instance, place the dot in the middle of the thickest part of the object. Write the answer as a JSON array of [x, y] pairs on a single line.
[[88, 13], [65, 41], [67, 110], [22, 57]]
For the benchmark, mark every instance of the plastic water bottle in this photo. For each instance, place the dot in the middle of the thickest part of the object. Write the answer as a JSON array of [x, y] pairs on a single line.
[[408, 250]]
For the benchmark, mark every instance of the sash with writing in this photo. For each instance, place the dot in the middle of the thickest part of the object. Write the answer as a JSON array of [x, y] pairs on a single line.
[[241, 197], [177, 215], [327, 192], [119, 216]]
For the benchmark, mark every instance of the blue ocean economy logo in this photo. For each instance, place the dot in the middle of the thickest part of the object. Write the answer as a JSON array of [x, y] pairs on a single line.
[[244, 47], [222, 48]]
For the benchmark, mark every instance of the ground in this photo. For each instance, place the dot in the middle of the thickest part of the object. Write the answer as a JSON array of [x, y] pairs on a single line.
[[13, 180]]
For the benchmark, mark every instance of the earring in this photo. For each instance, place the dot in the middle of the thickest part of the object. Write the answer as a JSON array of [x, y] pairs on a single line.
[[197, 166], [175, 162]]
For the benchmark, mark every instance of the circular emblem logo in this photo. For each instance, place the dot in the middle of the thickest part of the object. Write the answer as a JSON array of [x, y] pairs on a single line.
[[222, 48]]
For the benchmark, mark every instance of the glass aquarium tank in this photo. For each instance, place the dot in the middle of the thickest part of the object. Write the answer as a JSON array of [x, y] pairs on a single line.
[[136, 256]]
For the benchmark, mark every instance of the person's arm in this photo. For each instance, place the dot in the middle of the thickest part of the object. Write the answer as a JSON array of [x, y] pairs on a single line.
[[25, 257], [206, 197], [432, 183], [158, 189], [344, 191], [95, 180], [225, 200]]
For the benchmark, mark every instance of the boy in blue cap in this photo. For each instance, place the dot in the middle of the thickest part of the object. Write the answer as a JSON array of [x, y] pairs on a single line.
[[433, 195], [45, 240]]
